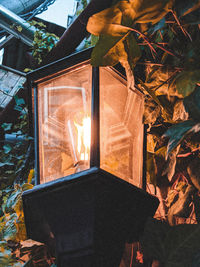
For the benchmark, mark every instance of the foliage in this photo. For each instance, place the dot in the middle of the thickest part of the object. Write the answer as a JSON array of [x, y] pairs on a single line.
[[43, 41], [16, 176], [172, 246], [163, 38]]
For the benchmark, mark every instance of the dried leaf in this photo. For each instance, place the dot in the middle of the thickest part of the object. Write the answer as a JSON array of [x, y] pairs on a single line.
[[151, 169], [179, 111], [151, 112], [181, 207], [170, 165]]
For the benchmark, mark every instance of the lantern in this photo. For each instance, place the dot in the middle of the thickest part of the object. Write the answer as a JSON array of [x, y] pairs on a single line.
[[89, 159]]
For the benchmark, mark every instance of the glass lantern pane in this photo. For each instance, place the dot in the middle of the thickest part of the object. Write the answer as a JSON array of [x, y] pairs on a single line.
[[64, 123], [121, 128]]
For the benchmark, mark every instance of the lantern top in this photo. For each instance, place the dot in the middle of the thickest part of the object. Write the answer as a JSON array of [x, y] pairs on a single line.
[[65, 63], [59, 65]]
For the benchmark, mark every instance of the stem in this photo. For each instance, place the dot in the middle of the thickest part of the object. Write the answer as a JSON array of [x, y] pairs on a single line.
[[179, 24]]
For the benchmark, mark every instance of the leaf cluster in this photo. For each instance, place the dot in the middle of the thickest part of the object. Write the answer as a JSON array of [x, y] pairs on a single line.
[[163, 37], [43, 41]]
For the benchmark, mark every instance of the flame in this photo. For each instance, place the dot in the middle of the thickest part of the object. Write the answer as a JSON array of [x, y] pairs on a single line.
[[84, 138]]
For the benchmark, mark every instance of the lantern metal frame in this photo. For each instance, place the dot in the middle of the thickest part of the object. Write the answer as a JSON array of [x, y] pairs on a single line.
[[55, 69]]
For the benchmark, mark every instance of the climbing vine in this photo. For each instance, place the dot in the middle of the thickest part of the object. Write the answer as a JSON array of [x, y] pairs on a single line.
[[17, 175]]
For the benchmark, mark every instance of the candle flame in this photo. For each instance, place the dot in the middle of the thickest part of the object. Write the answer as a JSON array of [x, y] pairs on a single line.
[[84, 138]]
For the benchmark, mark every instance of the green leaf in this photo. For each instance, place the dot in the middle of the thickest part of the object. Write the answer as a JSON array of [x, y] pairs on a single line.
[[3, 164], [174, 246], [186, 82], [132, 49], [182, 245], [192, 104], [18, 108], [19, 101], [6, 126], [177, 132], [152, 239], [107, 51], [7, 148], [114, 24]]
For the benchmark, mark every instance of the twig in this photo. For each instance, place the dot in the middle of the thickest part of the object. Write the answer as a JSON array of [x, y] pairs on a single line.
[[145, 38], [188, 154], [179, 24]]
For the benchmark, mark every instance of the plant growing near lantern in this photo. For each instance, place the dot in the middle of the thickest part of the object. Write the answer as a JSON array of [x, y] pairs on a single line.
[[16, 176], [158, 44], [43, 41]]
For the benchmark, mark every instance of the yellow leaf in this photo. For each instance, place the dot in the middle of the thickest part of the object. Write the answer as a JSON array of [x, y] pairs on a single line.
[[30, 176], [26, 186], [109, 21]]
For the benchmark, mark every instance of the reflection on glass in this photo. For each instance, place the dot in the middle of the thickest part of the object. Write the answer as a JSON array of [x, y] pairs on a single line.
[[64, 124], [121, 127]]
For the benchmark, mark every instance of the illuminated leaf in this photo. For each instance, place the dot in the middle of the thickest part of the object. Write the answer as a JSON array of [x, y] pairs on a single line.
[[109, 21], [181, 207], [27, 186], [30, 176], [151, 169]]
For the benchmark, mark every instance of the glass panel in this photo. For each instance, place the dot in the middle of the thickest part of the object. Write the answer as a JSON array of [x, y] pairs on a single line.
[[121, 128], [64, 124]]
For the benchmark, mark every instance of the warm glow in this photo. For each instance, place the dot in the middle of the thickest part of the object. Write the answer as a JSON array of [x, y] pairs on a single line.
[[84, 138]]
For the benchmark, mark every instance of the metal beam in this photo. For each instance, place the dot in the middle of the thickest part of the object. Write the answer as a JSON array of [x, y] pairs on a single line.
[[6, 41], [16, 26]]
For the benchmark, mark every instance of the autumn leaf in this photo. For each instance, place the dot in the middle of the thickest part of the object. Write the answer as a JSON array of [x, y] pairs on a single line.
[[109, 21], [114, 24], [151, 10]]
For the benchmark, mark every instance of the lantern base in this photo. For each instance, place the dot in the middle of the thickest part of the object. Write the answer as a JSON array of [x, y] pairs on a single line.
[[86, 218]]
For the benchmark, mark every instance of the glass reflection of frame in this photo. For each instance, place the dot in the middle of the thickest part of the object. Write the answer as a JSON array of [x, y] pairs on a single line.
[[48, 116]]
